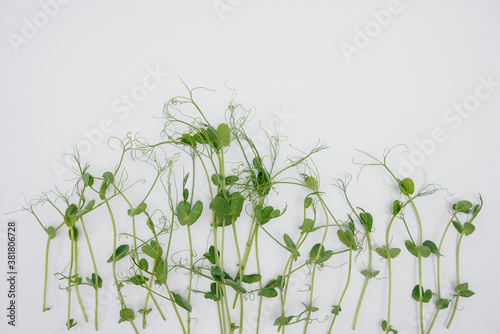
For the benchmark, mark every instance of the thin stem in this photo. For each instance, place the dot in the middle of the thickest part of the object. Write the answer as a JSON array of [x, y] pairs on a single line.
[[190, 277], [345, 290], [389, 269], [96, 287], [77, 291], [260, 282], [44, 305], [367, 279], [69, 283], [120, 296], [458, 281]]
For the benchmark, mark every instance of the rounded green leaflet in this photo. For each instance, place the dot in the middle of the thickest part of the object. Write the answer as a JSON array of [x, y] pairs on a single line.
[[407, 186], [143, 264], [119, 253], [307, 202], [316, 252], [396, 207], [88, 180], [138, 210], [463, 207], [109, 177], [181, 302], [73, 233], [51, 231], [366, 220], [126, 314], [458, 226], [224, 134], [188, 215], [311, 182], [469, 228]]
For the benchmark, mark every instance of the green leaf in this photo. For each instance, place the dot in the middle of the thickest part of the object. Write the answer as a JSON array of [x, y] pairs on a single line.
[[109, 177], [179, 301], [216, 179], [126, 314], [427, 296], [290, 246], [253, 278], [366, 220], [416, 292], [396, 207], [138, 210], [231, 179], [382, 251], [51, 231], [188, 215], [347, 238], [119, 253], [228, 210], [153, 250], [212, 294], [102, 190], [87, 208], [92, 281], [394, 252], [70, 215], [423, 250], [458, 226], [210, 256], [268, 293], [137, 280], [143, 311], [442, 304], [384, 327], [469, 228], [73, 233], [72, 323], [410, 246], [407, 186], [224, 134], [307, 202], [88, 180], [307, 226], [370, 274], [432, 246], [324, 256], [264, 215], [316, 252], [311, 182], [336, 310], [143, 264], [187, 139], [282, 320], [462, 290], [463, 207]]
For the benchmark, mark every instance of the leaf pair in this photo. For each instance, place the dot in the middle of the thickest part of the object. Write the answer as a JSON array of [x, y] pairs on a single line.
[[387, 252], [426, 295], [318, 254], [425, 250], [291, 246], [227, 206], [467, 228], [264, 215], [188, 215], [347, 238]]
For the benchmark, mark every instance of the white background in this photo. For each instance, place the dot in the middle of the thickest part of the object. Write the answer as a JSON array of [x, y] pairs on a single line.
[[61, 79]]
